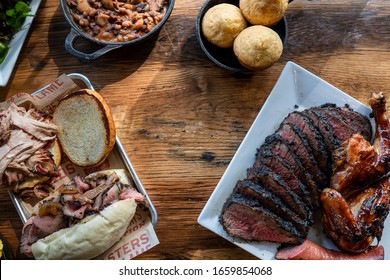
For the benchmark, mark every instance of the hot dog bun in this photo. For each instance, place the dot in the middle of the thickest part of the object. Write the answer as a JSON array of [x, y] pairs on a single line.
[[86, 128], [93, 236]]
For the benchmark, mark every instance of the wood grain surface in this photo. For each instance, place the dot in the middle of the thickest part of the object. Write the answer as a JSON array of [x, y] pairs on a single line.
[[181, 118]]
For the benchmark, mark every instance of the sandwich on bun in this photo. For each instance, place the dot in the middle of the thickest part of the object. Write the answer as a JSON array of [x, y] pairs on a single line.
[[82, 219]]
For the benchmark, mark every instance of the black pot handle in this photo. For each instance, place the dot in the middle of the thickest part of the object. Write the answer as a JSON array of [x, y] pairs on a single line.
[[72, 36]]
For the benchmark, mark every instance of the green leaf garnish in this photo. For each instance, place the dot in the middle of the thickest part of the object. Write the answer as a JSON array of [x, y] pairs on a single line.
[[3, 51], [17, 15], [14, 18]]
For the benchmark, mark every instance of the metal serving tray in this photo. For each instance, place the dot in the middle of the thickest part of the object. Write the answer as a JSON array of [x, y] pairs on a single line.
[[118, 148]]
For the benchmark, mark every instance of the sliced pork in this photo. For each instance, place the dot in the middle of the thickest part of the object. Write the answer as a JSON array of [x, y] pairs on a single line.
[[40, 129]]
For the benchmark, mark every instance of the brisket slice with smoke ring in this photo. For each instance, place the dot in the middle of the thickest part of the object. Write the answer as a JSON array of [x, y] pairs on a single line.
[[322, 156], [301, 148], [358, 122], [331, 142], [276, 145], [275, 184], [341, 130], [305, 188], [273, 203], [246, 218]]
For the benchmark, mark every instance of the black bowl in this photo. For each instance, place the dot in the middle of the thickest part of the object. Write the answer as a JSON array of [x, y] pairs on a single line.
[[226, 58], [77, 32]]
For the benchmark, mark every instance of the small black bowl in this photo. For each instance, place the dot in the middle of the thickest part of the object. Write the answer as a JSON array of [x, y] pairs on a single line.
[[226, 58]]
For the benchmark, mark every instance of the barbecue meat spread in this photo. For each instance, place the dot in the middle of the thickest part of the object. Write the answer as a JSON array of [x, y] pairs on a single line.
[[277, 199]]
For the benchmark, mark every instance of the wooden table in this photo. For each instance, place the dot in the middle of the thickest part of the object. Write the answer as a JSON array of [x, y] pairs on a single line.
[[181, 118]]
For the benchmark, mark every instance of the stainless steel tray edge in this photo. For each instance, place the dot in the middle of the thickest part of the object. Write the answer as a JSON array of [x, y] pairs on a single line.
[[23, 212], [137, 181]]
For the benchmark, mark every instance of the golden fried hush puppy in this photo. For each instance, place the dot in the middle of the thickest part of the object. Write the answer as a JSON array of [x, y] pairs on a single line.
[[258, 47], [222, 23], [263, 12]]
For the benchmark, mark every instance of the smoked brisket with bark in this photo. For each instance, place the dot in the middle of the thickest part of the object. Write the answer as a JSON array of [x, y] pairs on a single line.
[[305, 189], [272, 202], [314, 137], [247, 218], [301, 148], [358, 122], [277, 199]]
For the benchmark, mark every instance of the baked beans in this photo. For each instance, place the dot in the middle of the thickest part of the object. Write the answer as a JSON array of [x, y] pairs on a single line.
[[116, 21]]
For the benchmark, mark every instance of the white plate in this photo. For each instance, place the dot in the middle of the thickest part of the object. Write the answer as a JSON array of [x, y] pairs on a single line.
[[15, 46], [296, 89]]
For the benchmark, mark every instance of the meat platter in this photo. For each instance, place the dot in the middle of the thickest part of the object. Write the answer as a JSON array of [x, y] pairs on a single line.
[[118, 153], [296, 90]]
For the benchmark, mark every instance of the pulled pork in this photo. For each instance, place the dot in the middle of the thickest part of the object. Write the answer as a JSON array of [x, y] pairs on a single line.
[[24, 138]]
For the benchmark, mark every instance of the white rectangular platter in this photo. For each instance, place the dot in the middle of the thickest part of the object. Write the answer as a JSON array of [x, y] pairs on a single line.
[[296, 89]]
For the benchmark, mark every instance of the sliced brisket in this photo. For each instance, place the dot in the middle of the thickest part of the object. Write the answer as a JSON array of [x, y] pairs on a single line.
[[331, 142], [322, 156], [301, 148], [304, 187], [366, 129], [272, 202], [342, 131], [275, 184], [276, 145], [358, 122], [276, 201], [246, 218]]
